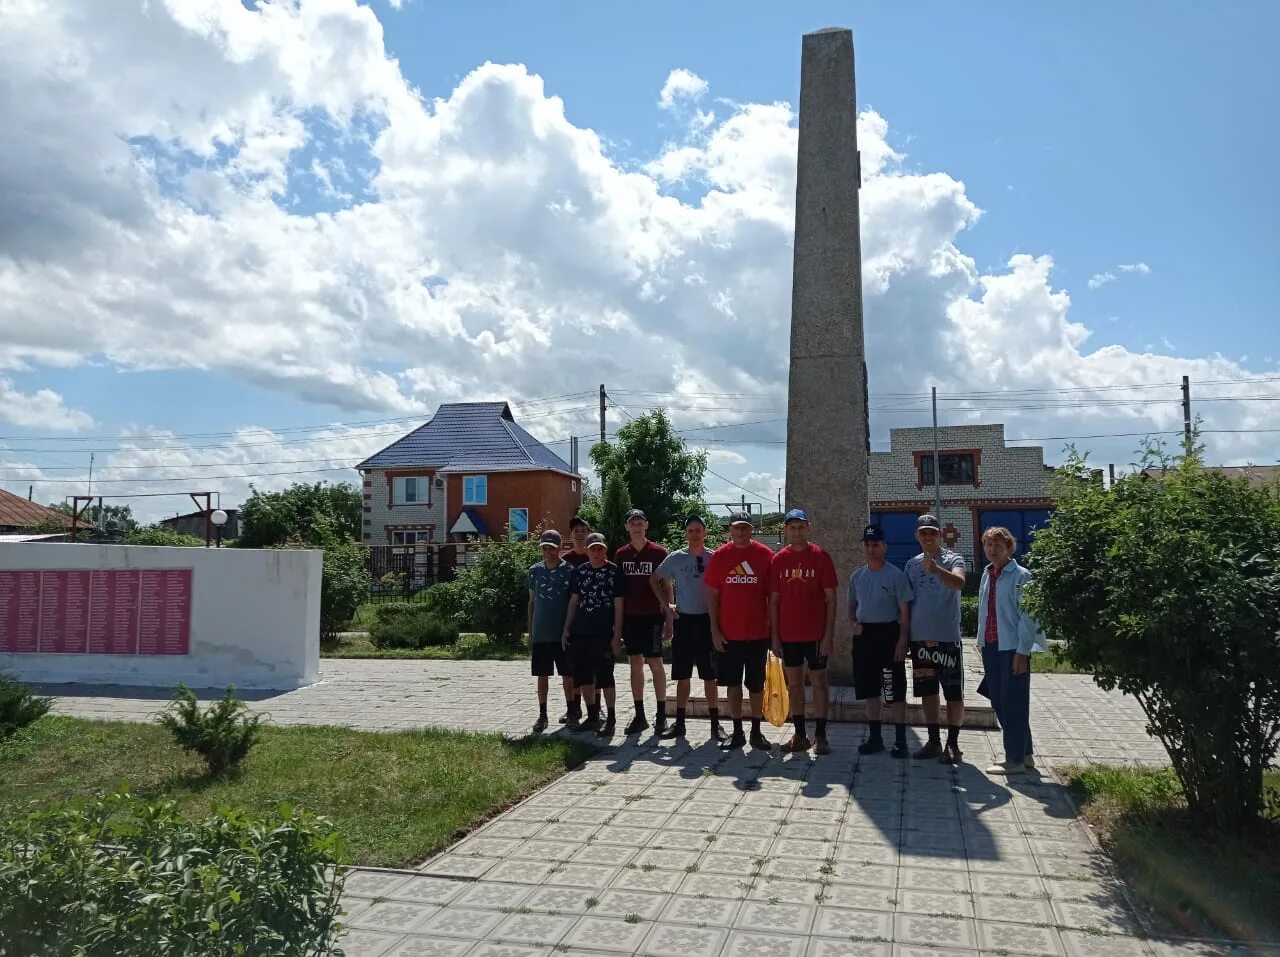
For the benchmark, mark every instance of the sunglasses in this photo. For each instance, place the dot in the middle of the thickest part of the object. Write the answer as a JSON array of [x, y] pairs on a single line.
[[698, 563]]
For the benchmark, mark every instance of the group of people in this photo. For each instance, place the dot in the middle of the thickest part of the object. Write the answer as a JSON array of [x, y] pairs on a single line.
[[724, 611]]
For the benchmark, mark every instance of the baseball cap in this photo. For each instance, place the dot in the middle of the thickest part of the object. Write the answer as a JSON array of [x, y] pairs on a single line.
[[636, 513], [550, 537], [578, 520], [595, 538], [872, 533], [928, 521], [741, 518], [691, 519], [795, 515]]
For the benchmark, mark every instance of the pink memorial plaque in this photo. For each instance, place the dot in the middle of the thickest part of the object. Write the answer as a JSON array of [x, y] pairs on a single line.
[[113, 614], [19, 611], [164, 625], [64, 612]]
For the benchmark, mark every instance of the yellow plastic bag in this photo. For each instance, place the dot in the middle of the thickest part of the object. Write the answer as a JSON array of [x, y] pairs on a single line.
[[777, 702]]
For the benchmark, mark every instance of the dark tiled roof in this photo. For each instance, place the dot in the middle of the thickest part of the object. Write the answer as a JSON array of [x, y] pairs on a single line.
[[18, 512], [471, 437]]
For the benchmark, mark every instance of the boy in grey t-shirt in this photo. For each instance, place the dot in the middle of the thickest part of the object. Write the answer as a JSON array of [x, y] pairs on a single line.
[[937, 576]]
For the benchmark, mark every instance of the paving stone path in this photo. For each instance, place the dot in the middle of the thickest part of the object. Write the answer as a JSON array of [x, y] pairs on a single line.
[[682, 850]]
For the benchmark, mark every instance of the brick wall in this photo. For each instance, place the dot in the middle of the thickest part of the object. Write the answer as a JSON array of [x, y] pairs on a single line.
[[552, 498], [380, 515]]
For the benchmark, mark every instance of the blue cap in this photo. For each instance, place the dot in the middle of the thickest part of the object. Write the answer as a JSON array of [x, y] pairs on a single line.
[[795, 515]]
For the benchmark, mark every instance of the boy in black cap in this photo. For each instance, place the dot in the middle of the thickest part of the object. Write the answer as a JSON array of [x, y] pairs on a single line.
[[880, 613], [643, 619], [548, 582], [593, 630]]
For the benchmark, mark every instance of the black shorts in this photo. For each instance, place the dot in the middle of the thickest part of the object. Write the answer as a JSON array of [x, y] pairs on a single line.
[[591, 658], [691, 645], [796, 654], [549, 657], [642, 635], [925, 682], [875, 673], [742, 662]]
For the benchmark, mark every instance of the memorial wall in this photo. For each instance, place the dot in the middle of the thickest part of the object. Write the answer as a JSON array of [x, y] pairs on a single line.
[[122, 614]]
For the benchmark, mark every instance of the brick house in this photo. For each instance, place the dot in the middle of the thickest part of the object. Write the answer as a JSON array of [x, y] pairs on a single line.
[[984, 483], [469, 474]]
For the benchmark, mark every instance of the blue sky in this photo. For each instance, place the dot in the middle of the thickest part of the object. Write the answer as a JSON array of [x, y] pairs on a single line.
[[1134, 148]]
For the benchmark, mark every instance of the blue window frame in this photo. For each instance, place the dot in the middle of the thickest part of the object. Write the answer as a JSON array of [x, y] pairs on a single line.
[[475, 490], [518, 524]]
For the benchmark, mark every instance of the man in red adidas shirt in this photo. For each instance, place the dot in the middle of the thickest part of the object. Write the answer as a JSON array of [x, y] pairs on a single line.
[[802, 611], [737, 583]]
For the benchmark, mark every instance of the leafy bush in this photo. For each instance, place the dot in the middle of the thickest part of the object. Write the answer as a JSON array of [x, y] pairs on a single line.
[[156, 535], [489, 596], [409, 625], [124, 878], [221, 735], [1168, 588], [18, 706], [309, 515], [969, 615], [344, 583]]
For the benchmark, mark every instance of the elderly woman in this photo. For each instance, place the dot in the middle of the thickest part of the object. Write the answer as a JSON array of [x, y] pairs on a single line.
[[1007, 636]]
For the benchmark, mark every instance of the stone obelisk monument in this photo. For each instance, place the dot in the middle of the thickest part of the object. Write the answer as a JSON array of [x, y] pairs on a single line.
[[827, 437]]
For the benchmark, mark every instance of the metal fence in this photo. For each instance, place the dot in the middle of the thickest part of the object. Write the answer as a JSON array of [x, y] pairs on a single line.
[[404, 572]]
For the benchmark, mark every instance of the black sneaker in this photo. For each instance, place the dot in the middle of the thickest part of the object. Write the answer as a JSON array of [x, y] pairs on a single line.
[[759, 742], [591, 724], [638, 724], [734, 742], [660, 725], [676, 731], [540, 725], [871, 746], [900, 750], [718, 733], [572, 723], [564, 718], [607, 726], [932, 749]]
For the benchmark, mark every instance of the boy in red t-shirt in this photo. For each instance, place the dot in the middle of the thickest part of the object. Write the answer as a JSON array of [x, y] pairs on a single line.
[[737, 583], [802, 614]]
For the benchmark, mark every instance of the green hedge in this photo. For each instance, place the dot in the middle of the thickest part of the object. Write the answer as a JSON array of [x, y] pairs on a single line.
[[409, 625], [122, 877], [969, 615]]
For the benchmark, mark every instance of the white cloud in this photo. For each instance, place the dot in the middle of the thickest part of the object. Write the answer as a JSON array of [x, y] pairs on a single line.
[[479, 244], [725, 457], [681, 85], [1101, 279], [42, 409]]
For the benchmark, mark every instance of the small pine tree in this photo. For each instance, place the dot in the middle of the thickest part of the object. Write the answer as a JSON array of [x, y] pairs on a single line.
[[613, 512]]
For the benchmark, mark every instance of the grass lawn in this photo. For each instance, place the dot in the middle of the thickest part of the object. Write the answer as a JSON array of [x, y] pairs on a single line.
[[1203, 883], [395, 797], [467, 648], [1054, 662]]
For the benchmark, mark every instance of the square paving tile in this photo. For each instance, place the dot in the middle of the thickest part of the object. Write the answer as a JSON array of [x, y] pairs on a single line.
[[520, 872], [1083, 915], [621, 903], [847, 947], [780, 917], [414, 946], [393, 916], [700, 910], [534, 928], [367, 943], [935, 903], [492, 896], [485, 949], [1008, 885], [1080, 944], [453, 865], [782, 890], [1019, 938], [601, 933], [591, 876], [849, 922], [566, 900], [1019, 910], [676, 940], [462, 922], [936, 881], [934, 931], [373, 883], [633, 878], [751, 944]]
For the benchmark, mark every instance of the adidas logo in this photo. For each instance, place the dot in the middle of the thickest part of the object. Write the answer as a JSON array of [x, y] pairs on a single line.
[[742, 574], [744, 568]]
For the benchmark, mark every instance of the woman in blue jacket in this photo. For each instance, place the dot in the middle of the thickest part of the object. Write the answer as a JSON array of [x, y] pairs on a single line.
[[1007, 637]]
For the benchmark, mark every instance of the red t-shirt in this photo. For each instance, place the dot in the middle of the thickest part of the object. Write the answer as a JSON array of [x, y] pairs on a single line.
[[741, 576], [575, 559], [636, 567], [800, 579]]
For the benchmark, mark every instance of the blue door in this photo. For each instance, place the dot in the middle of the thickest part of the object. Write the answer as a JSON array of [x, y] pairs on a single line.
[[1023, 523], [899, 535]]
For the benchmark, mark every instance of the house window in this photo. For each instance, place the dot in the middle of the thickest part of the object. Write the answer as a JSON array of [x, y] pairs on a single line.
[[955, 468], [411, 490], [518, 524], [475, 490], [412, 537]]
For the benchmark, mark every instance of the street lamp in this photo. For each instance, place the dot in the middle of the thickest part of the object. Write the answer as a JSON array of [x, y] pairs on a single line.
[[218, 518]]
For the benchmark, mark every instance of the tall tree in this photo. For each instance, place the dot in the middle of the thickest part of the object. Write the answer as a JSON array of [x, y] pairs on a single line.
[[615, 504], [662, 475], [302, 514]]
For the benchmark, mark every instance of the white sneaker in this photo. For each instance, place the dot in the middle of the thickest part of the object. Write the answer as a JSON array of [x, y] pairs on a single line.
[[1005, 768]]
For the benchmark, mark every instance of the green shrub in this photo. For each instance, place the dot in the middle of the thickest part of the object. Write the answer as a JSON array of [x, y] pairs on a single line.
[[156, 535], [969, 615], [222, 735], [490, 596], [124, 878], [1168, 588], [18, 706], [344, 584], [410, 625]]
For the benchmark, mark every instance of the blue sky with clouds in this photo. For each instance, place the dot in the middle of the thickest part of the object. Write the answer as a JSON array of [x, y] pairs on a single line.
[[327, 213]]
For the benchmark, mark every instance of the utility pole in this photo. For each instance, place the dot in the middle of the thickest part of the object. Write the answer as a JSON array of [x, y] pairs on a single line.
[[1186, 414], [602, 400], [1112, 470], [937, 477], [779, 501]]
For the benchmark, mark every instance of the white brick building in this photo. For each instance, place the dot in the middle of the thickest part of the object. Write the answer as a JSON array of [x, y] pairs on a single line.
[[984, 483]]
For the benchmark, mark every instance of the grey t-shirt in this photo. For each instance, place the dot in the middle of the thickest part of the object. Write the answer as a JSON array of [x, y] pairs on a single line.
[[686, 571], [550, 587], [935, 609], [878, 593]]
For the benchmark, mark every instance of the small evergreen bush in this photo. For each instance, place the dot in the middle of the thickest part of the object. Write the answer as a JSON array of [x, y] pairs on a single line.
[[221, 735], [969, 616], [18, 706], [408, 625]]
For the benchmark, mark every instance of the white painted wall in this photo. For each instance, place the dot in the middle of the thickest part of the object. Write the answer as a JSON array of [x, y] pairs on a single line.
[[255, 618]]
